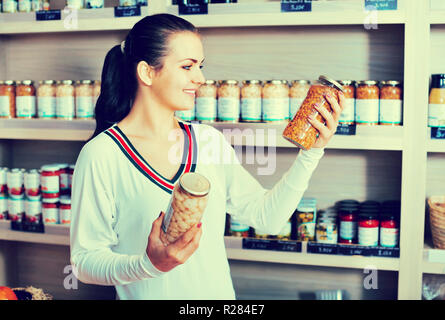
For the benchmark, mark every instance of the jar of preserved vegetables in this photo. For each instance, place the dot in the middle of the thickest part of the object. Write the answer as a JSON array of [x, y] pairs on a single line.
[[390, 113], [348, 114], [25, 99], [436, 107], [275, 101], [367, 103], [46, 99], [205, 103], [297, 93], [229, 101], [7, 99], [84, 99], [251, 101], [65, 93]]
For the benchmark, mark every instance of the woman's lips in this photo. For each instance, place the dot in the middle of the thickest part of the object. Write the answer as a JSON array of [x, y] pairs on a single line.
[[190, 92]]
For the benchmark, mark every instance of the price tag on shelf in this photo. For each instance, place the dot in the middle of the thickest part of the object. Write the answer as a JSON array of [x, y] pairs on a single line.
[[354, 250], [48, 15], [386, 252], [321, 248], [276, 245], [296, 5], [380, 5], [130, 11], [346, 129], [197, 8], [437, 133]]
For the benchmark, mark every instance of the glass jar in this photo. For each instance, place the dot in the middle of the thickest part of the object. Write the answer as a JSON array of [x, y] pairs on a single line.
[[389, 230], [238, 229], [436, 107], [15, 180], [50, 181], [205, 103], [229, 101], [70, 176], [36, 5], [297, 94], [251, 101], [188, 202], [347, 214], [75, 4], [3, 207], [24, 6], [94, 4], [7, 99], [96, 91], [368, 228], [9, 6], [3, 181], [32, 183], [50, 210], [326, 231], [299, 131], [275, 101], [46, 99], [25, 99], [65, 106], [306, 220], [33, 210], [84, 100], [367, 103], [63, 177], [65, 210], [390, 113], [16, 209], [347, 116]]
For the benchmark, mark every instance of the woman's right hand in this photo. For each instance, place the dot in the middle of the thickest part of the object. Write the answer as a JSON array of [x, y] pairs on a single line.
[[165, 258]]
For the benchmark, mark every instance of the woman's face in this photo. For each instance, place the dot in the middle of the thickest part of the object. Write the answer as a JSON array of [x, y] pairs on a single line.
[[176, 83]]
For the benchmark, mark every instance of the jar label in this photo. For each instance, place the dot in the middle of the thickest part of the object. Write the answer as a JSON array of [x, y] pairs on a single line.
[[390, 111], [15, 180], [50, 215], [3, 205], [50, 184], [368, 236], [32, 181], [236, 226], [251, 109], [65, 107], [33, 208], [228, 109], [84, 107], [70, 180], [16, 208], [275, 109], [367, 111], [348, 113], [436, 115], [46, 107], [348, 230], [64, 182], [65, 216], [5, 110], [389, 237], [205, 108], [25, 106], [294, 106], [187, 115]]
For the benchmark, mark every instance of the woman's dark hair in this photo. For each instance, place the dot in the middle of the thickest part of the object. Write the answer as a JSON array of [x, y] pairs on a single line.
[[147, 41]]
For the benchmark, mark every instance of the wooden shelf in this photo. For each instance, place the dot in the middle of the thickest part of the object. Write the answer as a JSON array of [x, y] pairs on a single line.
[[245, 134], [56, 234], [433, 259]]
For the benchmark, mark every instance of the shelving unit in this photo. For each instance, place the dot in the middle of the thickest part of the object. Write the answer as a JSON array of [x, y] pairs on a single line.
[[337, 38]]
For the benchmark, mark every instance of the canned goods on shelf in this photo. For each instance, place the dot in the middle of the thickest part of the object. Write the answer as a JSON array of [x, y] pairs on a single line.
[[229, 101], [206, 102], [15, 182], [7, 99], [251, 103], [367, 103], [348, 114], [3, 207], [50, 210], [275, 101], [65, 210], [32, 183], [25, 99], [84, 99], [33, 210], [46, 99], [50, 179], [65, 100], [63, 177], [390, 112], [16, 209], [297, 93]]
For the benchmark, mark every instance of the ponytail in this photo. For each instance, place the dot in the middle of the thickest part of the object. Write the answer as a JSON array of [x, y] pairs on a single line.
[[147, 41]]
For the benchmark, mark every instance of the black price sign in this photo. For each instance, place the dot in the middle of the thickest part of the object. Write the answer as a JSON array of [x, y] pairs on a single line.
[[437, 133], [276, 245], [346, 129], [354, 250], [321, 248], [48, 15], [387, 252], [380, 4], [296, 5], [130, 11], [196, 8]]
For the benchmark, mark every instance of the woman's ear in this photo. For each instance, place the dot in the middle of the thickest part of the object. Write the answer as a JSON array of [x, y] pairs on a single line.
[[145, 73]]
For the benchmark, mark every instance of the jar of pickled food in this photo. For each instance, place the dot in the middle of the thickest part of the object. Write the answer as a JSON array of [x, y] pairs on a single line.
[[50, 181], [436, 107], [25, 99], [3, 207], [16, 209], [65, 210], [96, 91], [348, 224], [9, 6], [188, 202], [297, 93], [275, 101], [50, 210], [326, 231], [65, 106], [367, 103], [7, 99], [229, 101], [251, 101], [368, 228], [390, 113], [15, 181], [33, 210], [205, 103], [238, 229], [306, 217], [347, 116], [75, 4], [299, 131], [46, 99], [84, 99], [3, 181], [32, 183]]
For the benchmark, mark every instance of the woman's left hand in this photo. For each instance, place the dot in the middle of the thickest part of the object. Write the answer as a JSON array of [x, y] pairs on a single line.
[[327, 131]]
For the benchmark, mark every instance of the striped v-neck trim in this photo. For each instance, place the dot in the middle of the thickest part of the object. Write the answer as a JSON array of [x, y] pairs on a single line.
[[188, 163]]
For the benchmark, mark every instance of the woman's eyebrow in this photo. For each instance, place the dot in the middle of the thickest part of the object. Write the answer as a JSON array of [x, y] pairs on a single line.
[[193, 60]]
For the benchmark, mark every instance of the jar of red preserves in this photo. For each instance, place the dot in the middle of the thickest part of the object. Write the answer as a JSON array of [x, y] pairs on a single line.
[[50, 181], [368, 228], [50, 210], [7, 99], [348, 225], [64, 177], [65, 210], [32, 183], [300, 131]]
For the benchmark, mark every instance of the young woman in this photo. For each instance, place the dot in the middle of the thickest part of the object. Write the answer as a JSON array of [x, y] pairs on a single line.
[[125, 174]]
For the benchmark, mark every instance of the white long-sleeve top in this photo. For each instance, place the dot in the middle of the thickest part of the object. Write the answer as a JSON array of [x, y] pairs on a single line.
[[116, 196]]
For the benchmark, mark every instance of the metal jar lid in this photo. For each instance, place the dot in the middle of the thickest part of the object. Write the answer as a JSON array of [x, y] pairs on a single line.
[[390, 83], [251, 81], [330, 82], [210, 82], [84, 82], [9, 82], [347, 82], [367, 82], [301, 82], [47, 82], [67, 82], [194, 184], [234, 82], [27, 82]]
